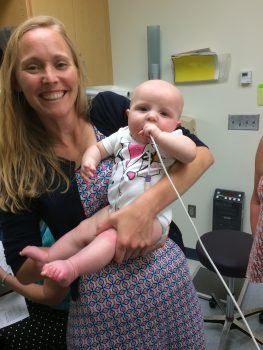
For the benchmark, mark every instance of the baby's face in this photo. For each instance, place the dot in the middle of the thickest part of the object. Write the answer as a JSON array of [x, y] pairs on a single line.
[[155, 102]]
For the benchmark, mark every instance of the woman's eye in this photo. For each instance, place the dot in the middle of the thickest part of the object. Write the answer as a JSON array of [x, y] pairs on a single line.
[[32, 68], [62, 65]]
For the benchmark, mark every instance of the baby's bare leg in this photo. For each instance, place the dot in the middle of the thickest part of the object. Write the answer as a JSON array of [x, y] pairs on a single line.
[[71, 242], [157, 231], [157, 239], [90, 259]]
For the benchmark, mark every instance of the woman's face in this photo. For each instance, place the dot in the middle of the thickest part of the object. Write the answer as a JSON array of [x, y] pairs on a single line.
[[46, 73]]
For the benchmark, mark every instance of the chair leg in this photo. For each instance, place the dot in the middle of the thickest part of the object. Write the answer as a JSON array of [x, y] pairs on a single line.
[[252, 312], [223, 337], [241, 326], [231, 320], [229, 317]]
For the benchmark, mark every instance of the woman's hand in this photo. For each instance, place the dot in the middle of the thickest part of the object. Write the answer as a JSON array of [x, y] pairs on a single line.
[[134, 225]]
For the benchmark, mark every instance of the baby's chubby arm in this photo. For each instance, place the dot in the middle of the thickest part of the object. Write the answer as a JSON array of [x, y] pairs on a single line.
[[91, 158], [178, 146]]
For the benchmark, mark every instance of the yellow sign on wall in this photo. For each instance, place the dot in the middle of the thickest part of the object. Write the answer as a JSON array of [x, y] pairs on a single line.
[[195, 66]]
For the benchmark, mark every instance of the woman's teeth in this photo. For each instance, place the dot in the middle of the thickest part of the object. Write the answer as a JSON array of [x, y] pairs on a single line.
[[52, 96]]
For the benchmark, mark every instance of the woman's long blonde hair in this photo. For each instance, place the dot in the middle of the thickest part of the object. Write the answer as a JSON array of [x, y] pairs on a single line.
[[26, 155]]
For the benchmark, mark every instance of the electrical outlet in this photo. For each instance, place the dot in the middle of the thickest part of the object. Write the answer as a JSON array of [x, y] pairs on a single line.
[[192, 210], [243, 122]]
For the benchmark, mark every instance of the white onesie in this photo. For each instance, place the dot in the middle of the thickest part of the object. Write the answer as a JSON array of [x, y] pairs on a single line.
[[135, 166]]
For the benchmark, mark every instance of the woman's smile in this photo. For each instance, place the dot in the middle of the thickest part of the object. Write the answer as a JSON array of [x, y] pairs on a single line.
[[53, 96]]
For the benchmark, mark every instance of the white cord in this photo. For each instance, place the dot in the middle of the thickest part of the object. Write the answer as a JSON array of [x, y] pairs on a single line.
[[203, 247]]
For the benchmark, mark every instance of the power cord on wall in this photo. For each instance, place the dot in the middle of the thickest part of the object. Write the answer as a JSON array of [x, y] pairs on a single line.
[[203, 247]]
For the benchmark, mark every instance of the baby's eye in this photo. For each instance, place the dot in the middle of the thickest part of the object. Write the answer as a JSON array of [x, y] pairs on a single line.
[[164, 114], [142, 108]]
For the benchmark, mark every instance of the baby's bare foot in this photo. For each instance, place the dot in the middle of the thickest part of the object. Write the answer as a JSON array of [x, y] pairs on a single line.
[[35, 253], [61, 271]]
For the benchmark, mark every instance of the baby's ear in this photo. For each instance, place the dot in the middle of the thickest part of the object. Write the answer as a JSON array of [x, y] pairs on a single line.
[[178, 123]]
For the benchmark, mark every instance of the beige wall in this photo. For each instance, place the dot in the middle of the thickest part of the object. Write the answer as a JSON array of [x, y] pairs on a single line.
[[227, 26]]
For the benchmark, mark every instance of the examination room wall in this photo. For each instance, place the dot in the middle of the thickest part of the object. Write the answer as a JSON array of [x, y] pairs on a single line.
[[232, 29]]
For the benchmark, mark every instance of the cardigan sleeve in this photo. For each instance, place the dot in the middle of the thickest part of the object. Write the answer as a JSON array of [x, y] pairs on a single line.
[[60, 210], [108, 112], [19, 230]]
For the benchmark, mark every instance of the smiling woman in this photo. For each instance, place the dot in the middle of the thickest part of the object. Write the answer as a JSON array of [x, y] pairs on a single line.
[[40, 73], [35, 331], [141, 302]]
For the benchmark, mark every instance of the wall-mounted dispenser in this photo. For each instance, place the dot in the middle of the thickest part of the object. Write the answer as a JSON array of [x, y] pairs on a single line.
[[153, 46]]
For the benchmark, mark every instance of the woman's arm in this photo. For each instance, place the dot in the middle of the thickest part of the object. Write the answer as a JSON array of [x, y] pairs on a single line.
[[49, 293], [254, 211], [255, 202], [134, 222]]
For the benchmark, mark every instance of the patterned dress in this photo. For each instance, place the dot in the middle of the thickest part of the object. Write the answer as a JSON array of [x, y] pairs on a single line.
[[255, 264], [146, 303]]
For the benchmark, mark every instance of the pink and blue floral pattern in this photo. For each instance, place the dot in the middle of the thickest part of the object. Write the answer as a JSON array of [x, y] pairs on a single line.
[[148, 303]]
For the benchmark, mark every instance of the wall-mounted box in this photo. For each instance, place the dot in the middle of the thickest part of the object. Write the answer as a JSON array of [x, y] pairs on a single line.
[[243, 122]]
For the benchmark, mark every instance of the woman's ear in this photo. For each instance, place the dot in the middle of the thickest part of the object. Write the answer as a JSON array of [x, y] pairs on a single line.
[[127, 112]]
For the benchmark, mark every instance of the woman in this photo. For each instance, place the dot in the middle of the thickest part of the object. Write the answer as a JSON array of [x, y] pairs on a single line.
[[255, 264], [44, 319], [143, 303]]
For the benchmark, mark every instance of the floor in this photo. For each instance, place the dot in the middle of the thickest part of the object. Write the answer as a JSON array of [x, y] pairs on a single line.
[[236, 340]]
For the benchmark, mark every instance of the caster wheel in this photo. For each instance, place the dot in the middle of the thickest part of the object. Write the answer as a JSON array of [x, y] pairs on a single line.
[[212, 303], [260, 317]]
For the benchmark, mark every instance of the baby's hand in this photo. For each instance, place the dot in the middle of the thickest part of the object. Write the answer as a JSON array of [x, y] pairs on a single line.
[[88, 169], [151, 129]]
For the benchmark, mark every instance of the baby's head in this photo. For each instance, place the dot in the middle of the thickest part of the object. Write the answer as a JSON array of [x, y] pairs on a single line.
[[155, 101], [161, 92]]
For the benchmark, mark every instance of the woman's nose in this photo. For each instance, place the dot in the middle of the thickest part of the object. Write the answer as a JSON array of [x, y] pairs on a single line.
[[49, 76]]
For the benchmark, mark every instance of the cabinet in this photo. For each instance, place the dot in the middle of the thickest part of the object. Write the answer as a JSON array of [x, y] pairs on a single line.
[[87, 23]]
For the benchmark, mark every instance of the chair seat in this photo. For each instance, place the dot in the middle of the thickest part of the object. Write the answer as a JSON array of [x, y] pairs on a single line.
[[229, 250]]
